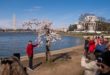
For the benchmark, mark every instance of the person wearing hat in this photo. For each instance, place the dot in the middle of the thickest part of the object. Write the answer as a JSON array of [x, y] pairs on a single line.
[[104, 63]]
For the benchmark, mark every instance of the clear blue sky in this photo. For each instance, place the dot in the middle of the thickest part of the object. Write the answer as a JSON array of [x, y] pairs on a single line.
[[61, 12]]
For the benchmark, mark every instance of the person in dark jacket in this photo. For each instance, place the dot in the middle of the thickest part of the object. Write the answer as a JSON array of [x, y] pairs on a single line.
[[104, 63], [29, 51], [86, 45]]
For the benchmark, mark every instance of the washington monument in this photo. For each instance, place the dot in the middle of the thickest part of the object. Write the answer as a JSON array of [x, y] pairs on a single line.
[[14, 22]]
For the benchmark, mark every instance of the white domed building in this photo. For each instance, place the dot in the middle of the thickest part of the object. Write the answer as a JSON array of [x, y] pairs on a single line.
[[88, 24]]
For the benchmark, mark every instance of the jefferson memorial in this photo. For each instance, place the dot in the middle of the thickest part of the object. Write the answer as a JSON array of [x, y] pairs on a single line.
[[88, 24]]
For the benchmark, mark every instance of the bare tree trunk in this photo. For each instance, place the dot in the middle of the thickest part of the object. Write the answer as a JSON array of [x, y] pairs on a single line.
[[47, 51]]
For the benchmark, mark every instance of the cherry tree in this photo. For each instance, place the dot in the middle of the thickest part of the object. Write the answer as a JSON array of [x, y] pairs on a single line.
[[43, 28]]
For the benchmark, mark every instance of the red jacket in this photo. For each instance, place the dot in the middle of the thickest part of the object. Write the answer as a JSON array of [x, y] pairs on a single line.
[[91, 46], [29, 49]]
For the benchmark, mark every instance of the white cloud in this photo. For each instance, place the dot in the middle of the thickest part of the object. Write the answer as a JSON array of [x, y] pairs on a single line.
[[33, 9], [37, 7]]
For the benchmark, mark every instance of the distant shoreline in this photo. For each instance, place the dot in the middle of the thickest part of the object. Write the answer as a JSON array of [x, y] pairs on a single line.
[[16, 31]]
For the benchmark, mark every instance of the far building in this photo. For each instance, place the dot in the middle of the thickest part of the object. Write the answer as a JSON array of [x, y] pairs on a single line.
[[64, 29], [88, 24]]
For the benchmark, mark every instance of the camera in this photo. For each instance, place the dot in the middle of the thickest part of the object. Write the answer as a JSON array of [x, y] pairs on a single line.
[[99, 60]]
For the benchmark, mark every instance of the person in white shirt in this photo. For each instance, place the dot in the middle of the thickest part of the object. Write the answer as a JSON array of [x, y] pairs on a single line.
[[89, 64]]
